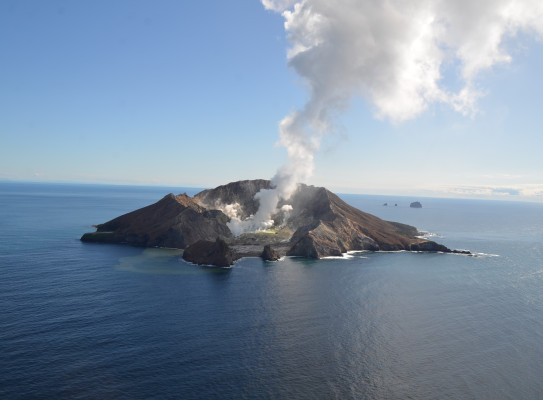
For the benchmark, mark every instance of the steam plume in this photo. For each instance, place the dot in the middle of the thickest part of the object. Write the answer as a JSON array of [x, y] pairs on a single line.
[[393, 53]]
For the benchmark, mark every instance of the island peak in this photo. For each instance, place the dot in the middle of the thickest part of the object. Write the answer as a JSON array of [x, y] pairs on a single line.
[[312, 223]]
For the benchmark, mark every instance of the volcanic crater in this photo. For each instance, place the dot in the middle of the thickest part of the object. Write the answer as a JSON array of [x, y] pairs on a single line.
[[318, 224]]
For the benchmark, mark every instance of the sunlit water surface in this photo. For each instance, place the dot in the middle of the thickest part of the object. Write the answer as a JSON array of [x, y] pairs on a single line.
[[84, 321]]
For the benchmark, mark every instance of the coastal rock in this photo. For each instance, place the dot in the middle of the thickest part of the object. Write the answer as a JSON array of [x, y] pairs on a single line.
[[433, 247], [322, 241], [205, 252], [415, 204], [429, 246], [269, 254]]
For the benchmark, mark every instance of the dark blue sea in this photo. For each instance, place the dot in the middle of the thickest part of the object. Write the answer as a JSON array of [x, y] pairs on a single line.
[[92, 321]]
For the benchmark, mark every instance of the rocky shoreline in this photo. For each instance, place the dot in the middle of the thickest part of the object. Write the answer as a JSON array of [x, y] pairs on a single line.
[[319, 225]]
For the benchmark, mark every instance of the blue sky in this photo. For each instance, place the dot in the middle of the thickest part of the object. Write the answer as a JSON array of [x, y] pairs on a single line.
[[191, 94]]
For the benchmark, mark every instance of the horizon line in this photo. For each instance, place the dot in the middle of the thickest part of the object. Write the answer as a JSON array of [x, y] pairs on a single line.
[[342, 191]]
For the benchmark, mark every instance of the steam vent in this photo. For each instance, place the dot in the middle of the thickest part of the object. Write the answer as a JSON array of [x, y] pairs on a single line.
[[317, 224]]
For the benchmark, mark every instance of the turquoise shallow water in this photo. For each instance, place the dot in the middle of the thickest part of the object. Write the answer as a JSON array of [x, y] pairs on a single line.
[[88, 321]]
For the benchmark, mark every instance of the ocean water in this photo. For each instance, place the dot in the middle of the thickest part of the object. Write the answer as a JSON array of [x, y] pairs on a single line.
[[91, 321]]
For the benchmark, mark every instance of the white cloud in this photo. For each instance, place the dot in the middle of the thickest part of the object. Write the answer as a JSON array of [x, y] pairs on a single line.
[[277, 5], [393, 53], [519, 191]]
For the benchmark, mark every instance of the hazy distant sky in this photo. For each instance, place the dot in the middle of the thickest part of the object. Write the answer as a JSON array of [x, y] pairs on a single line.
[[191, 94]]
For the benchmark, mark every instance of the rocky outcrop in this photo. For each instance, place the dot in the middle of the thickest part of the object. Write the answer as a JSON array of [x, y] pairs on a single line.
[[318, 224], [337, 227], [205, 252], [429, 246], [174, 222], [415, 204], [322, 241], [433, 247], [269, 254]]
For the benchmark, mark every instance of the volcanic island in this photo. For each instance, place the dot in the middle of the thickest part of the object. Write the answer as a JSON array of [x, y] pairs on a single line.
[[317, 224]]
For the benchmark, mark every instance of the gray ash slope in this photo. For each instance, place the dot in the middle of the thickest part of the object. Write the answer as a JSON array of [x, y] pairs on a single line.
[[319, 225]]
